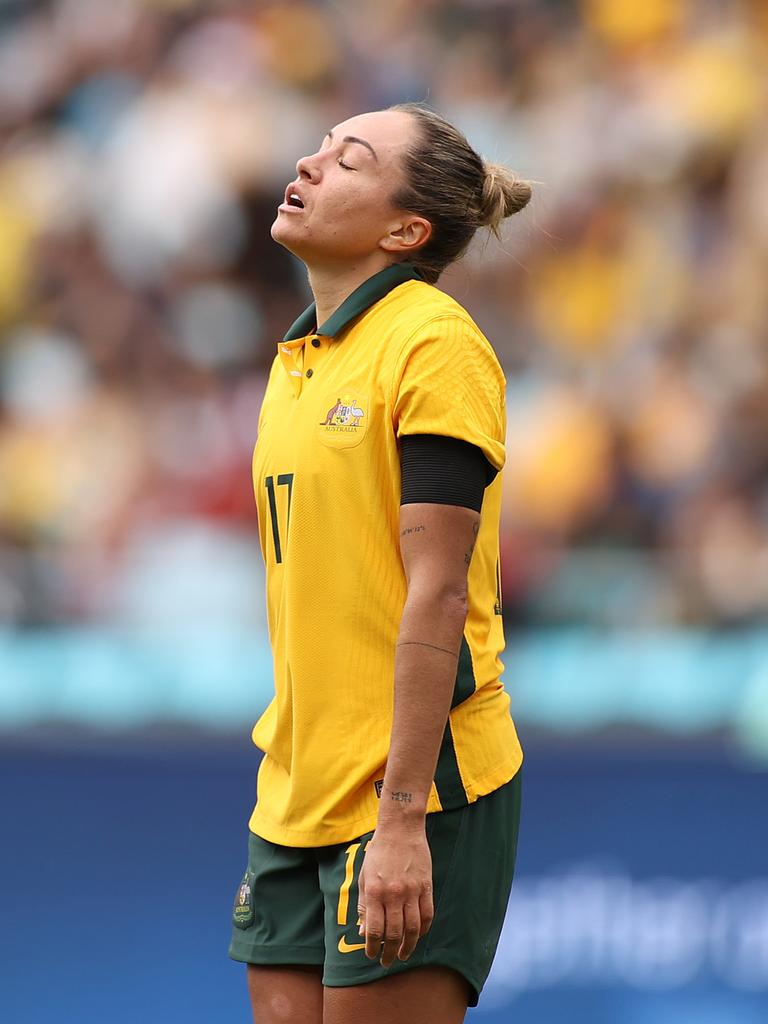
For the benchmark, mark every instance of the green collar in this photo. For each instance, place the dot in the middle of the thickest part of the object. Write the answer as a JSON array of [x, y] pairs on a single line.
[[362, 298]]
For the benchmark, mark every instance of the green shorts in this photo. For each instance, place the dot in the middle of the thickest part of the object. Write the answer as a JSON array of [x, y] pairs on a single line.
[[299, 906]]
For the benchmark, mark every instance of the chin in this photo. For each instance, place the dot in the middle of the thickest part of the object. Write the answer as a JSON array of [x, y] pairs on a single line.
[[295, 243], [281, 233], [277, 229]]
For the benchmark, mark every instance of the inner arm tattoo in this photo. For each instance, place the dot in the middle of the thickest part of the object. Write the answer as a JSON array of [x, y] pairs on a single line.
[[468, 556], [418, 528]]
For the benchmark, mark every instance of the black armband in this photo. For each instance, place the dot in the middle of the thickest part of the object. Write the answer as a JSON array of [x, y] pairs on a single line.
[[443, 470]]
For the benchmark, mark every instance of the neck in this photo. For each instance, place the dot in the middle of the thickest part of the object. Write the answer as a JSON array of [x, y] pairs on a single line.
[[332, 285]]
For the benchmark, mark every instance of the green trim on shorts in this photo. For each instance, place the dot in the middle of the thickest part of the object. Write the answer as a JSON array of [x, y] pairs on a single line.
[[304, 913]]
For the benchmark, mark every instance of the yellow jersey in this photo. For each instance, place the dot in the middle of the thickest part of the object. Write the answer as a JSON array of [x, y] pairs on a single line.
[[398, 357]]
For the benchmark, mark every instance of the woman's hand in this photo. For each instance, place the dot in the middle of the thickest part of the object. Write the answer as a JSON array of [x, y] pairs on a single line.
[[395, 905]]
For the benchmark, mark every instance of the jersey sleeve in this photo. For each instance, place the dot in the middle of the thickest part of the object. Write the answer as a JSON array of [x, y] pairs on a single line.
[[450, 383]]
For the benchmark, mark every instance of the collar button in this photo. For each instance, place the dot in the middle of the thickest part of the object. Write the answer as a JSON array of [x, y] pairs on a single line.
[[316, 342], [309, 373]]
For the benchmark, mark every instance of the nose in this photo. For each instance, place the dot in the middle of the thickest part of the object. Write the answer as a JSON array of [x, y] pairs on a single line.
[[307, 168]]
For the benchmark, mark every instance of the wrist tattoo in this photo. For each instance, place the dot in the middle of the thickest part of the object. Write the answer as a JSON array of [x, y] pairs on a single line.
[[419, 643], [401, 797]]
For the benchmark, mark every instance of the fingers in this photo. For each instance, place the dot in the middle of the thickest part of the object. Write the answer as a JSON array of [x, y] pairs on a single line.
[[394, 912], [393, 929], [393, 934], [411, 930], [426, 910], [382, 925], [373, 924]]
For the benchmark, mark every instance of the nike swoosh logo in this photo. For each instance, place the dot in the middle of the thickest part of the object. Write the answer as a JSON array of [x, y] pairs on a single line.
[[345, 947]]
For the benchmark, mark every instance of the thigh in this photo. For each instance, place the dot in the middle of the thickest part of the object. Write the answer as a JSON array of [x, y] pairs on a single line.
[[286, 995], [426, 995]]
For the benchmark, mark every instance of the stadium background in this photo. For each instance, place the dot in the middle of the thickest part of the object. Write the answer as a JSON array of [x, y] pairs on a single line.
[[145, 146]]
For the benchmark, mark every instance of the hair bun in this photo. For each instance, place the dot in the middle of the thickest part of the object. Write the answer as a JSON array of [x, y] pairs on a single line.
[[503, 194]]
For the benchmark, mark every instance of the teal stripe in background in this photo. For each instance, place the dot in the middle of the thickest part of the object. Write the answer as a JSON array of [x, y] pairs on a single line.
[[111, 680], [568, 680]]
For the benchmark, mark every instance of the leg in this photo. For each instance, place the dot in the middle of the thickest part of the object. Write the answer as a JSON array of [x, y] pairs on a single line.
[[286, 995], [424, 995]]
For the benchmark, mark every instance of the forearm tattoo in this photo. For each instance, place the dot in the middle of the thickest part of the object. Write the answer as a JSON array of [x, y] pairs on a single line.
[[402, 798], [418, 643]]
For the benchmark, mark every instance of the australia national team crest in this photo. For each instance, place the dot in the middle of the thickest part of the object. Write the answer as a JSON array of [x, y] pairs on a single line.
[[344, 419], [243, 911]]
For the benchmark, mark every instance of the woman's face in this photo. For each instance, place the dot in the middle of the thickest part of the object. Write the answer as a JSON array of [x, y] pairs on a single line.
[[341, 211]]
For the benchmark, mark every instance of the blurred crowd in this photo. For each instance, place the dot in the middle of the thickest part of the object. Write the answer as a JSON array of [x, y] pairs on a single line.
[[144, 147]]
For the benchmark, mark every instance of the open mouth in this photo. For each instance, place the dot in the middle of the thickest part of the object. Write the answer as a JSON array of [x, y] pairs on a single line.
[[291, 198]]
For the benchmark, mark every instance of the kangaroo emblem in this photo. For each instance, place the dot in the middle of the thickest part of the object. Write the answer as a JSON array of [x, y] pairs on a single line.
[[331, 413], [345, 422]]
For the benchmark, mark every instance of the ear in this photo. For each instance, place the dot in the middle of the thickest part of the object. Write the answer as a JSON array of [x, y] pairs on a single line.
[[408, 235]]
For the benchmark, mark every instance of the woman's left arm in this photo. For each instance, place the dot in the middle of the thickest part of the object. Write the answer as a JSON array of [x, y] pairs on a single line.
[[436, 544]]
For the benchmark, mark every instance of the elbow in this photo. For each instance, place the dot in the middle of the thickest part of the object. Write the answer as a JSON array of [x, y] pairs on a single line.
[[449, 596]]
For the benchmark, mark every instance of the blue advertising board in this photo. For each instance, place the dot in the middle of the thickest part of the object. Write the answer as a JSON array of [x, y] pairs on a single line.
[[641, 895]]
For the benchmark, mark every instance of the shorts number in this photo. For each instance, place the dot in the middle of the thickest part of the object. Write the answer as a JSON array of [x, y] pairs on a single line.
[[284, 479], [346, 885]]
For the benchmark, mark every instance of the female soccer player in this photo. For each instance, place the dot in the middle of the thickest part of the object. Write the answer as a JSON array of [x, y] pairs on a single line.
[[382, 844]]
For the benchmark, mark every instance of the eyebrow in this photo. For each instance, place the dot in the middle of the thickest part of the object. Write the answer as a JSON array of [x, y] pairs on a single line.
[[360, 142]]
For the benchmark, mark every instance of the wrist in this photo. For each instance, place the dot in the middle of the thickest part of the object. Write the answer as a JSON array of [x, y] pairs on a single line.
[[401, 811]]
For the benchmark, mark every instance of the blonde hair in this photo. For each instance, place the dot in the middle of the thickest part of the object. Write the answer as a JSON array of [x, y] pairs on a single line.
[[450, 185]]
